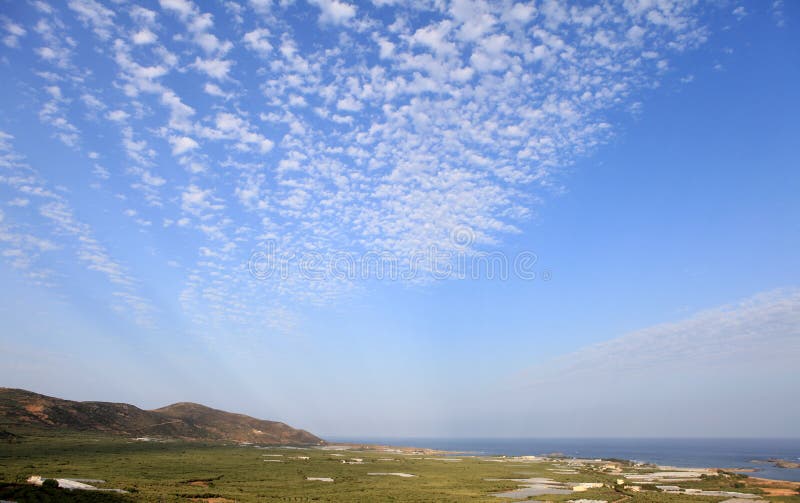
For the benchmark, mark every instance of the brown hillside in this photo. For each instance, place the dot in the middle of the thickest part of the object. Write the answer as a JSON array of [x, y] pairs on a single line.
[[182, 420], [230, 426]]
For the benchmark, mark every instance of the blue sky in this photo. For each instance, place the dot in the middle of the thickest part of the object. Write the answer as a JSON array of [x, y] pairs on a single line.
[[645, 152]]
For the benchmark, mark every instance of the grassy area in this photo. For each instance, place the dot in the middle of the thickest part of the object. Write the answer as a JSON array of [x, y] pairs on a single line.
[[184, 471]]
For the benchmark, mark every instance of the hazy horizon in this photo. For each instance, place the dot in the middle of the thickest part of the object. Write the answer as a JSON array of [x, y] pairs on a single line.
[[455, 219]]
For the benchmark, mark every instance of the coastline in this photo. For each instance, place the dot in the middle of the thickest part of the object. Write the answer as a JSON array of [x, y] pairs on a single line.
[[740, 455], [772, 486]]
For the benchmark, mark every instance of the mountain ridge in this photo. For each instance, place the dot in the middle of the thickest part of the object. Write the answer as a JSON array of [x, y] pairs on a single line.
[[182, 420]]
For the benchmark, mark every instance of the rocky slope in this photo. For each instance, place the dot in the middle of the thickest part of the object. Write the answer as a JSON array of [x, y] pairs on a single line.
[[181, 420]]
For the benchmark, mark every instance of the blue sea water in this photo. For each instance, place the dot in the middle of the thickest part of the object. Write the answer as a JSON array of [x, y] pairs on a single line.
[[684, 452]]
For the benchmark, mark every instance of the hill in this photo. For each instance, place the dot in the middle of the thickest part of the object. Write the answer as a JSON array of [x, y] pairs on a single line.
[[188, 421]]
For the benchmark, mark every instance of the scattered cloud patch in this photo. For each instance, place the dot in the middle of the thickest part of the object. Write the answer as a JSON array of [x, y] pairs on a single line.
[[182, 144], [334, 11], [395, 124]]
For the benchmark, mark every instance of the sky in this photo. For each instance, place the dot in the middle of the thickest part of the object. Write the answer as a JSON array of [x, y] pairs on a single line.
[[467, 219]]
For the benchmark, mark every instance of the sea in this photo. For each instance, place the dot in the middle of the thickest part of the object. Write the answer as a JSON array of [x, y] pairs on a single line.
[[684, 452]]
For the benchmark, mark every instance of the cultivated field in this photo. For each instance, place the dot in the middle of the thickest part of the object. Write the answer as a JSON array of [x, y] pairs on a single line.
[[190, 471]]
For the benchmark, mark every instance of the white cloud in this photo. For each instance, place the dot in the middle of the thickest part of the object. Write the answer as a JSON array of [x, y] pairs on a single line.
[[214, 90], [182, 144], [92, 102], [229, 126], [435, 37], [94, 14], [261, 6], [142, 16], [198, 24], [144, 37], [196, 201], [258, 41], [13, 33], [334, 11], [19, 202], [180, 113], [101, 172], [150, 179], [778, 13], [117, 115], [520, 13], [54, 114], [636, 33], [215, 68], [462, 74], [386, 48], [184, 8], [349, 104]]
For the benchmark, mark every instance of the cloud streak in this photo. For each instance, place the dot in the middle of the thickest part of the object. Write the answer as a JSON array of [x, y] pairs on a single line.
[[28, 244], [763, 329]]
